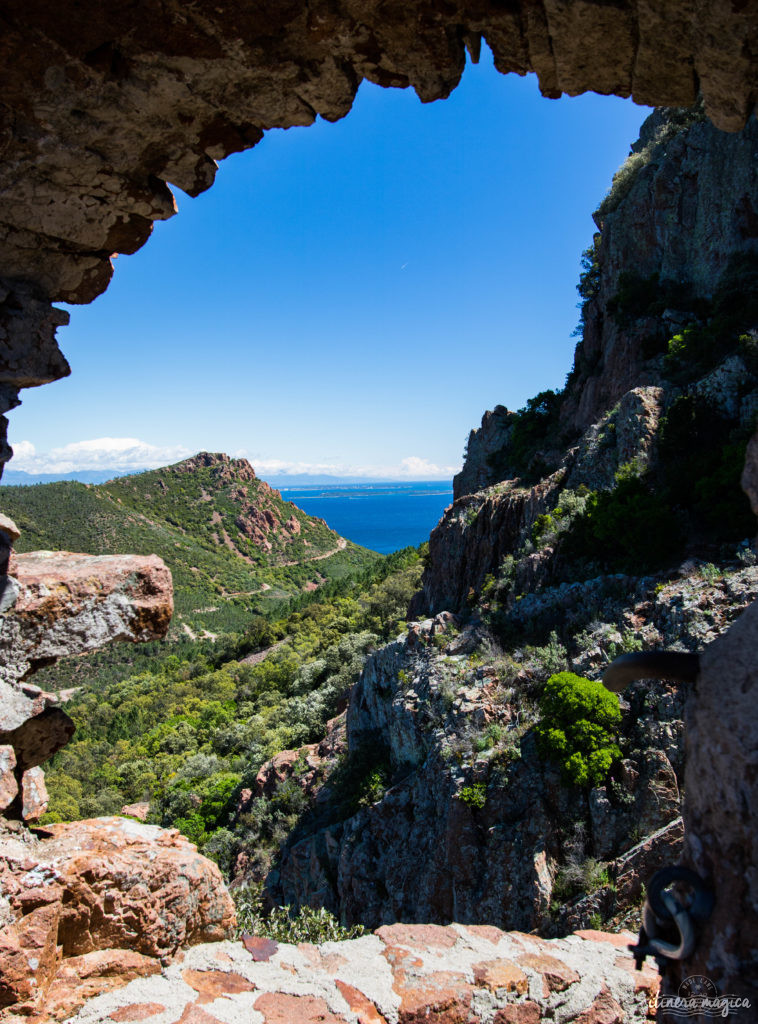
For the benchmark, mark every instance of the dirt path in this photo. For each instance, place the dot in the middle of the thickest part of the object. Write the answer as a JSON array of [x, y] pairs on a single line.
[[341, 545], [258, 657]]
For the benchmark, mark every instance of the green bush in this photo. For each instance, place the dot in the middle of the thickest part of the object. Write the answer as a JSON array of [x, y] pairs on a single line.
[[474, 795], [579, 720], [284, 924], [629, 529]]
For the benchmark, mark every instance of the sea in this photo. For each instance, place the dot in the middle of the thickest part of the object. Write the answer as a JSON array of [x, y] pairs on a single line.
[[384, 517]]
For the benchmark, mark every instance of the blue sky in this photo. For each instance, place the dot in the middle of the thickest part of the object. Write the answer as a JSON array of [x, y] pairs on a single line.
[[347, 297]]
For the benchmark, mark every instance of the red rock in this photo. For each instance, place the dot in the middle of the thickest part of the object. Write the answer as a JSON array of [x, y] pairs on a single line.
[[486, 931], [134, 886], [365, 1010], [279, 1008], [557, 975], [68, 604], [442, 996], [34, 794], [518, 1013], [139, 810], [80, 978], [212, 984], [28, 955], [328, 962], [648, 980], [604, 1010], [500, 974], [418, 936], [137, 1011], [194, 1014], [8, 783], [620, 939], [260, 949], [9, 529]]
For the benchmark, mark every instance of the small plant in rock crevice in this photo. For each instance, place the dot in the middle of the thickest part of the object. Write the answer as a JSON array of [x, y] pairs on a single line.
[[474, 796]]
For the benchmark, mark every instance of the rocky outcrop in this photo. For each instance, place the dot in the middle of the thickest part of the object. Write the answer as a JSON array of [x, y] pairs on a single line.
[[472, 824], [683, 205], [75, 893], [403, 974], [102, 108], [56, 604]]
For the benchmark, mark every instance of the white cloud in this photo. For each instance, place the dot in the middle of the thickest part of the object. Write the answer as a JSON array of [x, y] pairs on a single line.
[[123, 453], [413, 467], [130, 453]]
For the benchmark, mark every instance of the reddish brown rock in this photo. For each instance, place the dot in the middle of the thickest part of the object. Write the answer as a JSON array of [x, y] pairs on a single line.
[[69, 604], [194, 1014], [134, 886], [604, 1010], [28, 955], [212, 984], [8, 783], [34, 795], [139, 810], [648, 980], [518, 1013], [620, 939], [80, 978], [362, 1007], [486, 931], [329, 962], [135, 1012], [259, 948], [500, 974], [279, 1008], [418, 936], [557, 975]]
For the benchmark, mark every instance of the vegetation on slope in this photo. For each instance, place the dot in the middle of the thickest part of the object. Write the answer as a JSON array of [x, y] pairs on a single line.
[[233, 545], [188, 732]]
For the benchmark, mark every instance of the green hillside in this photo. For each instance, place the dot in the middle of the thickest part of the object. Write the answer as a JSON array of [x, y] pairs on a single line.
[[233, 545]]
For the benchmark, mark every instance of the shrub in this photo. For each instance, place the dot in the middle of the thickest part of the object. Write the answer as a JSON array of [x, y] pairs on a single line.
[[579, 719], [474, 795], [629, 529], [284, 924], [579, 878]]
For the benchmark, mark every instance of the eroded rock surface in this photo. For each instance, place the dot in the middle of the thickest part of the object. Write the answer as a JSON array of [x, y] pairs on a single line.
[[103, 107], [57, 604], [112, 897], [403, 974]]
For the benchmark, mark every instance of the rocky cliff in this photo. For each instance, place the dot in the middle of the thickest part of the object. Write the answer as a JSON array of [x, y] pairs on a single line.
[[602, 520], [667, 314]]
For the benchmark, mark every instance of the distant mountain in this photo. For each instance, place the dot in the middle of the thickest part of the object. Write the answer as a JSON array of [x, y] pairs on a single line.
[[19, 478], [232, 543]]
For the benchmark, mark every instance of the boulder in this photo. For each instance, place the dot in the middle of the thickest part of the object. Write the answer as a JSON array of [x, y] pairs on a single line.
[[118, 884], [64, 604]]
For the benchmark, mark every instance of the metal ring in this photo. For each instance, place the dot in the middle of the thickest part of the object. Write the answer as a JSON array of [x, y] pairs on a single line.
[[701, 904], [684, 925]]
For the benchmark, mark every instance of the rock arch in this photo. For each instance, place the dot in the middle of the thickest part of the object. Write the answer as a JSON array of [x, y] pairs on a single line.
[[102, 106]]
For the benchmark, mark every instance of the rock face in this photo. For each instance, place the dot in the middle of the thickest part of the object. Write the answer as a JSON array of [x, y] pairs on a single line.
[[473, 832], [56, 604], [678, 214], [84, 179], [404, 974], [721, 841], [100, 893], [685, 207]]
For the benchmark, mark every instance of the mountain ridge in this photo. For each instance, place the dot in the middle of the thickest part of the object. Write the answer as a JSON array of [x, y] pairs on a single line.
[[232, 542]]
